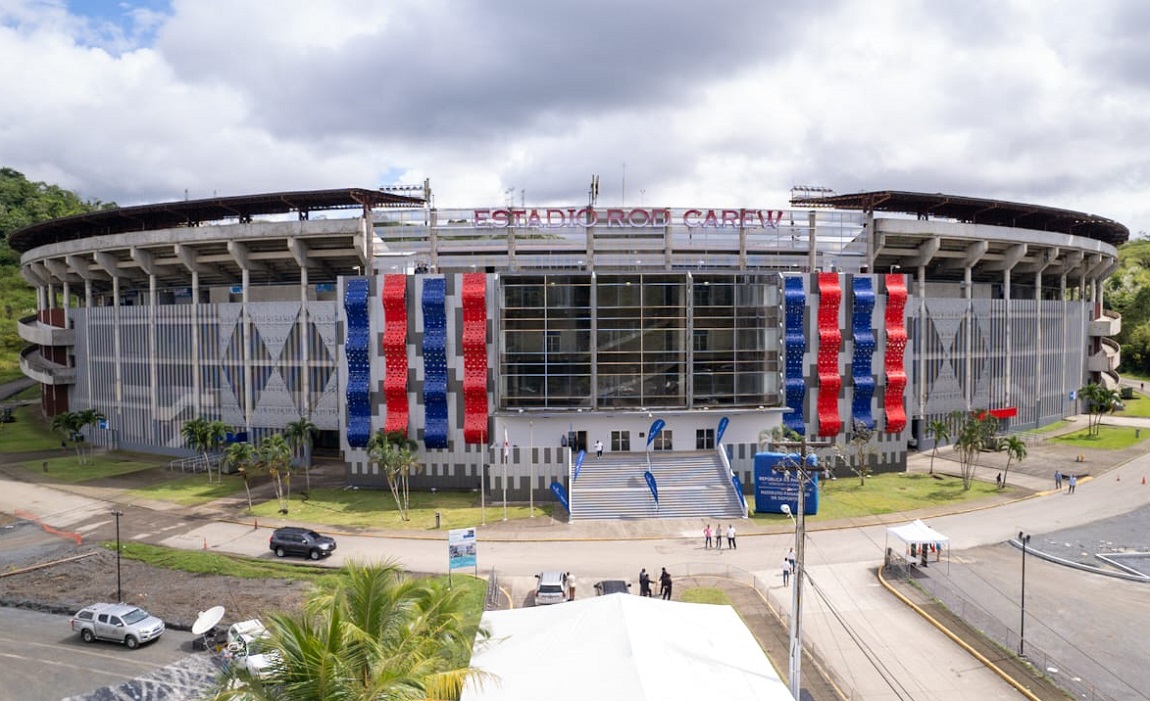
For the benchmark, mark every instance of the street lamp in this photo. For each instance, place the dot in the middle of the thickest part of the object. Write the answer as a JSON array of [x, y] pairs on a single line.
[[803, 472], [119, 593], [1024, 540]]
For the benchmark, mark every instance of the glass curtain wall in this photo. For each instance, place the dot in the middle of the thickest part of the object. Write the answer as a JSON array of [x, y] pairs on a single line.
[[639, 340]]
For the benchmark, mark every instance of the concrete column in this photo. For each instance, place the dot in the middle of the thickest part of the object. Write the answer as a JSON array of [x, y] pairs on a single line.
[[197, 370]]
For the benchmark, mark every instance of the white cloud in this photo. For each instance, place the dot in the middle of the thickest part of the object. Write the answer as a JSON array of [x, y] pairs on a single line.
[[727, 103]]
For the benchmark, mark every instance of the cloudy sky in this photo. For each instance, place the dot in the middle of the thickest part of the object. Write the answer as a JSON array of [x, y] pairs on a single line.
[[671, 103]]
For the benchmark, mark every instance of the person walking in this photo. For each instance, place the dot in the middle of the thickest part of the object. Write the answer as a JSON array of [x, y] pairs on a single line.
[[1058, 480], [786, 572], [1072, 482], [665, 585], [644, 583], [570, 587], [707, 537], [791, 559], [598, 449], [731, 536]]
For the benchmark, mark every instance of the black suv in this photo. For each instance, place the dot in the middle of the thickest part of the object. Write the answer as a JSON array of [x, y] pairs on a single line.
[[300, 541]]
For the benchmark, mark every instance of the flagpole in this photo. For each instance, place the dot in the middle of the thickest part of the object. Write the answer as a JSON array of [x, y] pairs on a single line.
[[531, 487], [506, 450]]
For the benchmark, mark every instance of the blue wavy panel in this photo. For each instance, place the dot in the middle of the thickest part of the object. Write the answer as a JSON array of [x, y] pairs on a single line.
[[862, 373], [434, 363], [794, 347], [358, 363]]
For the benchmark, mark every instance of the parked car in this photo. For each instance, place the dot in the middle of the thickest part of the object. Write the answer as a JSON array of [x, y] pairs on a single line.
[[550, 588], [247, 645], [612, 586], [121, 623], [291, 540]]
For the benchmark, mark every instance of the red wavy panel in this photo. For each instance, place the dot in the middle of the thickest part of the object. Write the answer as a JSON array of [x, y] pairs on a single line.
[[475, 358], [395, 352], [894, 395], [830, 345]]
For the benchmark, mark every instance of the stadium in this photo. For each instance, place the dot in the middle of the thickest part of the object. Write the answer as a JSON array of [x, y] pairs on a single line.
[[506, 340]]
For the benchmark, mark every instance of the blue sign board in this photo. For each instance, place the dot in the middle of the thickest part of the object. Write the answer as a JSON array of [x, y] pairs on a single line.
[[773, 488]]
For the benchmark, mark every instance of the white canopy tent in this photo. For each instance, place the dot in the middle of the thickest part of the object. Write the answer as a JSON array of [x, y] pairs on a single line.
[[920, 542], [621, 646]]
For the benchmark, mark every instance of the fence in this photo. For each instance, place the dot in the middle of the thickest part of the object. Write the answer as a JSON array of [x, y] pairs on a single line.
[[1075, 681]]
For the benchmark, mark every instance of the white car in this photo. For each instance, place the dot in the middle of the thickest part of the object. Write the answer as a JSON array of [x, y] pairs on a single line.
[[247, 646], [121, 623]]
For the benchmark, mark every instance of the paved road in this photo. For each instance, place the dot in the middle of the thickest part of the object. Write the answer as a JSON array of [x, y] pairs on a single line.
[[41, 659], [880, 649]]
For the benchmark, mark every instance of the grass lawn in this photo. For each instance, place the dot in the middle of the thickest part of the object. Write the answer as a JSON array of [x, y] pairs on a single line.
[[705, 595], [67, 467], [376, 508], [191, 490], [27, 433], [886, 493], [200, 562], [1138, 406], [1057, 425], [1108, 438]]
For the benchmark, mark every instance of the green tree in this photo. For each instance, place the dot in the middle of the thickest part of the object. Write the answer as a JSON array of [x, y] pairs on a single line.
[[275, 458], [67, 424], [859, 444], [1100, 401], [1015, 449], [300, 436], [396, 457], [206, 437], [88, 418], [976, 432], [241, 457], [939, 431], [373, 634]]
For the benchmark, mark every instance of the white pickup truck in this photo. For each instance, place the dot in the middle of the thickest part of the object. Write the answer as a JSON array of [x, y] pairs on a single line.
[[246, 645], [121, 623]]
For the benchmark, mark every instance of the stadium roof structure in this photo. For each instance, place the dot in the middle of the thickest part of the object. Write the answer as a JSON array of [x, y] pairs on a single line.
[[975, 210], [190, 213]]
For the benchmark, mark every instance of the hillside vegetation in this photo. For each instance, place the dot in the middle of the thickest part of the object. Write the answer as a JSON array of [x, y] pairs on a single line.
[[22, 203], [1127, 292]]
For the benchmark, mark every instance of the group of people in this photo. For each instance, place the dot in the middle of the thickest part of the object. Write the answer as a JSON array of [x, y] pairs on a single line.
[[664, 584], [1071, 481], [716, 537]]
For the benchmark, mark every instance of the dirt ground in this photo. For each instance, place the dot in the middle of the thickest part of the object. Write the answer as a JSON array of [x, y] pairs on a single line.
[[60, 578]]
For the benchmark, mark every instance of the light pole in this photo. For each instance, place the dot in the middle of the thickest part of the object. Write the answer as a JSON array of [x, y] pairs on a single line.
[[1025, 541], [119, 594], [803, 472], [531, 486]]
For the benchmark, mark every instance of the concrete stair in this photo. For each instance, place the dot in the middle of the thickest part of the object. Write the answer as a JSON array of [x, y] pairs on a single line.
[[691, 485]]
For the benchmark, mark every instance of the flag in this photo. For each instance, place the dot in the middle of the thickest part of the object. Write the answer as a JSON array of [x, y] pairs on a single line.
[[506, 445]]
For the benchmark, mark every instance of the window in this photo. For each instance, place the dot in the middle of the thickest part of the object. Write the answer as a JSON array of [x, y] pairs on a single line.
[[705, 439], [620, 440], [663, 441]]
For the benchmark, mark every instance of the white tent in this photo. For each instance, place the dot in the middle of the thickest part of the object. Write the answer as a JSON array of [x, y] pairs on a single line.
[[921, 541], [621, 646]]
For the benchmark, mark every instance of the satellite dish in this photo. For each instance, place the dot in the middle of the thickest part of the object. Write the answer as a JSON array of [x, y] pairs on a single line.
[[208, 620]]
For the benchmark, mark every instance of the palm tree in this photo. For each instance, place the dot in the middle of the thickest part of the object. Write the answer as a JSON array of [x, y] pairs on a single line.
[[1015, 449], [373, 634], [204, 436], [395, 455], [275, 457], [67, 424], [300, 435], [241, 457], [974, 434], [88, 417], [1099, 402], [939, 431]]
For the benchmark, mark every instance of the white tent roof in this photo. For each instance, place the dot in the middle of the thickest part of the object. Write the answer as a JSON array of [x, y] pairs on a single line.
[[917, 532], [622, 647]]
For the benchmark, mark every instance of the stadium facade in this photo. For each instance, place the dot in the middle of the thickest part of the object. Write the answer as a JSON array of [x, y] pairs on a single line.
[[506, 337]]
